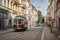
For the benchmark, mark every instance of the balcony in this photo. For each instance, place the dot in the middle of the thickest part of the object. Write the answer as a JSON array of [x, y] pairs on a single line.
[[23, 6], [58, 4], [15, 2]]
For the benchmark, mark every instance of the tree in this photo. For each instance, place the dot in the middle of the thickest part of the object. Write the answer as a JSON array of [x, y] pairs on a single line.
[[39, 16]]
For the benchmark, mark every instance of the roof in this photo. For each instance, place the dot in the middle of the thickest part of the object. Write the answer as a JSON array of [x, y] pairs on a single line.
[[21, 17]]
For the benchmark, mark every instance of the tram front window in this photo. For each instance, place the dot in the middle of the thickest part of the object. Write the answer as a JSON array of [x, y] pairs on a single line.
[[15, 21], [19, 21]]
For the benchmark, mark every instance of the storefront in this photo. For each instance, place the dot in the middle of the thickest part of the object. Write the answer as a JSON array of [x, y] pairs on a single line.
[[58, 22], [3, 19]]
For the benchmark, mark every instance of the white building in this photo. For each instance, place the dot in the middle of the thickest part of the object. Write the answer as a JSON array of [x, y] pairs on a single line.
[[31, 14], [34, 16], [28, 8]]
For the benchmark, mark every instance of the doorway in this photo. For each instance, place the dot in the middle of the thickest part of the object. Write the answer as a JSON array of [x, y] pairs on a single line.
[[1, 24], [59, 24]]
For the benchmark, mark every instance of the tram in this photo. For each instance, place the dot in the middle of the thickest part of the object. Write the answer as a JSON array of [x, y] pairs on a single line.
[[20, 23]]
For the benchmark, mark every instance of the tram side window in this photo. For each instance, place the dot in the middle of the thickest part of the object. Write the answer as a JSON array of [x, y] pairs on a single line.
[[15, 21], [25, 22]]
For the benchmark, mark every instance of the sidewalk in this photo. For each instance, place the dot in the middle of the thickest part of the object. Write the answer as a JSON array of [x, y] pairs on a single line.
[[57, 33], [6, 31], [48, 35]]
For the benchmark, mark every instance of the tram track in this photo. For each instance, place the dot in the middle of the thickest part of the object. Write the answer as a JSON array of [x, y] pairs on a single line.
[[33, 35], [30, 34], [11, 35], [40, 33], [6, 32], [19, 35]]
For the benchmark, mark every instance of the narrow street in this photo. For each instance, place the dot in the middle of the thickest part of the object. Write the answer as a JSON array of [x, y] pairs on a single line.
[[29, 19], [30, 34], [35, 33]]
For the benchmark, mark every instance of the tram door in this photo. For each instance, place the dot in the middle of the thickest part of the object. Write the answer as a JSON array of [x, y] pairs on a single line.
[[0, 24], [59, 23]]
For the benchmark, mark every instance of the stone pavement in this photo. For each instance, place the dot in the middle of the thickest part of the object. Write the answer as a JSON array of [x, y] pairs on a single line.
[[6, 31], [57, 33], [48, 35]]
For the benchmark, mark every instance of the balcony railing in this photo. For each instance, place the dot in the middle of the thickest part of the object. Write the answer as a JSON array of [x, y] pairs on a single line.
[[8, 9]]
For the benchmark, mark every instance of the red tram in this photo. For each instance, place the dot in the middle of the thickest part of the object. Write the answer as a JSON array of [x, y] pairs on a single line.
[[20, 23]]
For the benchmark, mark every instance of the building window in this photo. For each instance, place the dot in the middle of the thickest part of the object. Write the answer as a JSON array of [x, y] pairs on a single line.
[[0, 15], [4, 2], [59, 13], [14, 7], [7, 3], [20, 1], [11, 5], [0, 1], [4, 15]]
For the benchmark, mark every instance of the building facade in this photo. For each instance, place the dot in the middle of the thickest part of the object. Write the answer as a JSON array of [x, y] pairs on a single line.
[[58, 14], [34, 16], [51, 12], [56, 11], [9, 9], [28, 12]]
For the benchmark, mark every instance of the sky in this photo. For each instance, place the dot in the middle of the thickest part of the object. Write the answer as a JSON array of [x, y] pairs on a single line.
[[41, 5]]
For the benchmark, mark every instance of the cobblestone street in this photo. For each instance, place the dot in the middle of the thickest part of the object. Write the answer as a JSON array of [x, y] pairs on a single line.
[[30, 34], [29, 19], [48, 35], [36, 33]]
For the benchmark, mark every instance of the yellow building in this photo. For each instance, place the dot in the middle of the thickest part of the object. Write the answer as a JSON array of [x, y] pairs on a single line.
[[9, 9], [58, 14], [51, 13], [34, 16]]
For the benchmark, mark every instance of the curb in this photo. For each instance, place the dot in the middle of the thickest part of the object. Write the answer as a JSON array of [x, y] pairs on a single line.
[[5, 31]]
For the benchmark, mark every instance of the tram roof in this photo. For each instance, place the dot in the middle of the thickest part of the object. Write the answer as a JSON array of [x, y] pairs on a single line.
[[20, 17]]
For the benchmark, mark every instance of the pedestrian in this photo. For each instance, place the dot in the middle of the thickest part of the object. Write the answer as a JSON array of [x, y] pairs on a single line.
[[51, 27]]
